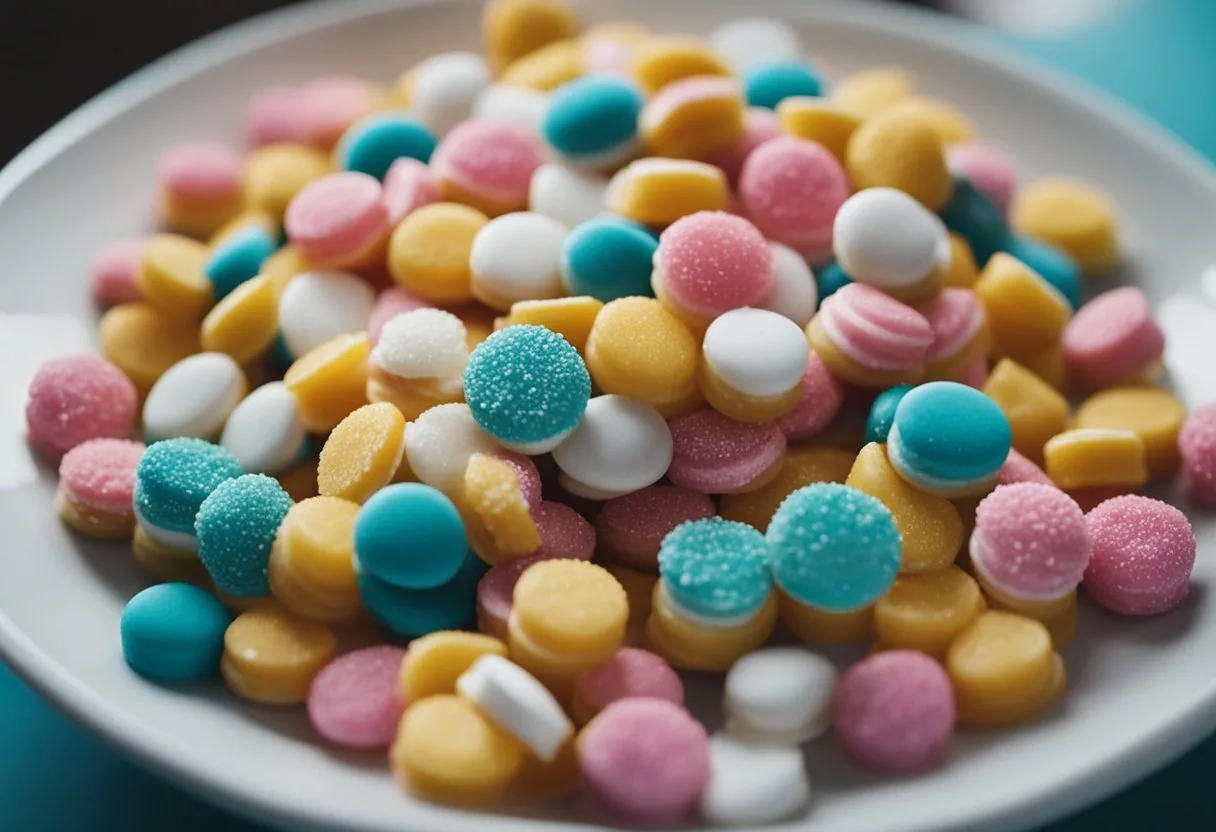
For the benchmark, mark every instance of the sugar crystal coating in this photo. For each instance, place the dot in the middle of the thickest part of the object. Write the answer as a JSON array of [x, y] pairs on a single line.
[[716, 567], [236, 526], [713, 262], [74, 399], [1143, 552], [175, 476], [100, 473], [1197, 444]]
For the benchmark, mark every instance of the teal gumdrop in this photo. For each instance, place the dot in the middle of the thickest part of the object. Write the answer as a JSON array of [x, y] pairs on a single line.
[[1052, 264], [372, 145], [592, 115], [410, 535], [236, 526], [716, 568], [882, 413], [975, 218], [770, 84], [609, 258], [948, 435], [831, 279], [175, 476], [415, 612], [173, 632], [238, 258]]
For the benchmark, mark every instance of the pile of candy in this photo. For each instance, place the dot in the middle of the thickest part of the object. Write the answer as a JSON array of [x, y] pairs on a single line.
[[586, 416]]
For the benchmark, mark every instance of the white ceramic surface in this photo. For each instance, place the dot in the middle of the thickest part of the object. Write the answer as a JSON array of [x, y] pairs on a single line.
[[1141, 691]]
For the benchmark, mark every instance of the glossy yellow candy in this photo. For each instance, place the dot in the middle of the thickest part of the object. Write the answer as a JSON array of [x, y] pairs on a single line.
[[1027, 315], [662, 60], [330, 381], [1153, 414], [282, 266], [249, 218], [166, 563], [800, 467], [435, 661], [271, 655], [274, 174], [926, 612], [428, 253], [655, 191], [963, 271], [301, 481], [244, 323], [1049, 365], [694, 128], [515, 28], [447, 752], [689, 645], [362, 453], [950, 125], [930, 528], [1059, 616], [492, 493], [639, 590], [312, 562], [814, 626], [571, 318], [1004, 671], [1073, 216], [547, 68], [900, 150], [171, 276], [144, 342], [872, 91], [1088, 457], [819, 120], [1036, 411]]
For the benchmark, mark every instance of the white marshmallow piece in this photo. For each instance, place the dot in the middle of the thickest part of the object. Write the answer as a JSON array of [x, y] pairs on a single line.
[[523, 107], [756, 352], [194, 397], [750, 42], [422, 343], [182, 541], [566, 195], [795, 293], [887, 239], [516, 702], [517, 257], [751, 784], [265, 432], [779, 694], [318, 306], [620, 445], [443, 88], [438, 445]]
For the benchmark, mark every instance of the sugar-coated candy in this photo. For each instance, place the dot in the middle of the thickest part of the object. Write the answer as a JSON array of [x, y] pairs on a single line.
[[882, 412], [200, 185], [570, 196], [75, 399], [353, 702], [548, 68], [515, 28], [112, 272], [1154, 415], [900, 150], [714, 454], [428, 253], [1143, 552], [96, 487], [1197, 448], [987, 167], [173, 632], [693, 118], [870, 339], [768, 84], [171, 276], [244, 325], [715, 570], [235, 527], [1114, 339], [332, 103], [339, 221], [440, 90], [487, 164], [631, 528], [362, 453], [872, 91], [629, 673], [173, 479], [238, 258], [496, 514], [522, 106], [820, 400], [311, 568], [818, 120], [317, 306], [437, 660], [800, 466], [752, 363], [1052, 264], [439, 443], [330, 381]]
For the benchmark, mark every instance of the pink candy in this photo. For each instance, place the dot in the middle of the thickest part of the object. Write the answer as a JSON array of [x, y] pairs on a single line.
[[822, 396], [355, 700], [100, 475], [712, 262], [987, 168], [75, 399], [490, 160], [408, 186], [329, 105], [874, 329], [1113, 339], [715, 455], [199, 170], [526, 475], [389, 304], [1197, 443], [563, 532], [1018, 468], [496, 592], [955, 316], [631, 672], [337, 218], [274, 115], [112, 272], [759, 125], [631, 528]]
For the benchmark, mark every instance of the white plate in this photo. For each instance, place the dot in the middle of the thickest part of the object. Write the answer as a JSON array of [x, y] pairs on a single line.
[[1141, 691]]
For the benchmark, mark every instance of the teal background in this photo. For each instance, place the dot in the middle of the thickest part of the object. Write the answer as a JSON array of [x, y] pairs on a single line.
[[1158, 55]]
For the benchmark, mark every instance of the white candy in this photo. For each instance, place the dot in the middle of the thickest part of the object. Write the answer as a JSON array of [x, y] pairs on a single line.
[[753, 784], [750, 42], [318, 306], [521, 106], [566, 195], [265, 432], [516, 702], [517, 257], [756, 352], [887, 239], [795, 293], [182, 541], [620, 445], [443, 88], [581, 489], [422, 343], [438, 445], [194, 397], [779, 694]]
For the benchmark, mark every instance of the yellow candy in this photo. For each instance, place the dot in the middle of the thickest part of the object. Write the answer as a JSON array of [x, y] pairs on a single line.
[[800, 467], [435, 661], [900, 150], [251, 218], [412, 396], [819, 121], [571, 318], [282, 266], [624, 32], [428, 253], [688, 645], [538, 780], [1153, 414], [144, 342], [1049, 365], [639, 589], [963, 271], [926, 612], [1004, 671], [243, 324], [929, 525], [1027, 315], [694, 127], [492, 493], [514, 28], [1073, 216], [815, 626], [872, 91], [166, 563], [362, 453], [1058, 616], [547, 68], [663, 60], [330, 381], [950, 125], [1089, 457], [637, 348], [300, 482], [312, 561], [658, 192], [171, 276], [1036, 411], [271, 655], [274, 174]]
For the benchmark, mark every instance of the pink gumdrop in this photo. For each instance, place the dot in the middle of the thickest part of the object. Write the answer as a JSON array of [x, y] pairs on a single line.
[[1113, 339], [275, 114], [893, 712], [977, 374], [490, 159], [956, 316], [712, 262], [337, 217], [330, 104], [408, 186], [987, 168], [874, 329], [821, 399], [631, 528], [1197, 444], [630, 672], [564, 533], [1143, 553], [75, 399], [716, 455], [1018, 468], [112, 272], [355, 700], [200, 170], [606, 56], [100, 475], [389, 304], [496, 594], [792, 189], [759, 125], [1030, 542], [526, 474], [645, 761]]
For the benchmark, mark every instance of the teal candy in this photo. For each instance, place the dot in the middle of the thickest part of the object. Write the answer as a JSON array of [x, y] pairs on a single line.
[[1056, 267], [173, 632], [882, 413], [831, 279], [716, 568], [235, 527], [375, 143], [591, 115], [833, 547], [609, 258], [410, 536], [948, 433], [769, 85], [977, 219], [238, 258], [526, 385], [416, 612], [175, 476]]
